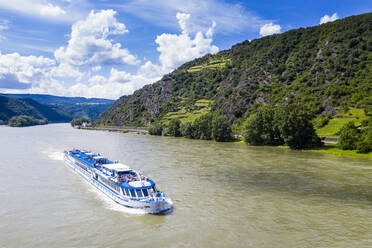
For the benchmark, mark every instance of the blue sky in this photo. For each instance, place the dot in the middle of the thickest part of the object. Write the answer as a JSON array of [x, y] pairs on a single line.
[[111, 48]]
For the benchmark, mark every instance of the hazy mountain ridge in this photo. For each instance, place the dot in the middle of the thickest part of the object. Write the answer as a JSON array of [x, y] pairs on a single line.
[[322, 67], [51, 99], [10, 107], [73, 107]]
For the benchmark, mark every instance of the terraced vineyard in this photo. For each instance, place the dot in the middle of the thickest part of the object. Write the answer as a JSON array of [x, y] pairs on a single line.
[[189, 113], [214, 64]]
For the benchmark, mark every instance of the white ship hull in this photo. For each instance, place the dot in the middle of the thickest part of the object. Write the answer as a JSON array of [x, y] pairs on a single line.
[[152, 206]]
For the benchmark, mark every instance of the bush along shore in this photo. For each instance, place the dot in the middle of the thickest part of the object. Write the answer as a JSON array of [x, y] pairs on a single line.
[[269, 125], [25, 121], [206, 127], [357, 138], [354, 139], [81, 122], [290, 126]]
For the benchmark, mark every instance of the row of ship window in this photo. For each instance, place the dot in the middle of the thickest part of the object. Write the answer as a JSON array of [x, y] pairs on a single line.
[[126, 192], [136, 192], [108, 182]]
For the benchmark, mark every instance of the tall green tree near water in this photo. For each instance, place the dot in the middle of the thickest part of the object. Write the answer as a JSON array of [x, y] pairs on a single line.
[[349, 136], [221, 130], [296, 128], [365, 145], [262, 128], [187, 129], [203, 127], [156, 129], [277, 125], [174, 128]]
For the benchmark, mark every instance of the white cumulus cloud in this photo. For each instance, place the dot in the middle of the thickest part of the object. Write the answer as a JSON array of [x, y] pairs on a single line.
[[80, 67], [176, 49], [269, 29], [27, 69], [327, 18], [51, 10], [89, 45]]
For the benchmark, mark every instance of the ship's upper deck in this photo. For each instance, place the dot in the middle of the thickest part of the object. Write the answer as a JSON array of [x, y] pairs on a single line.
[[119, 174]]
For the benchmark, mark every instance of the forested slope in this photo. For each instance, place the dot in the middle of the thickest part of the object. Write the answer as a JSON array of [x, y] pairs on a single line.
[[11, 107], [321, 68]]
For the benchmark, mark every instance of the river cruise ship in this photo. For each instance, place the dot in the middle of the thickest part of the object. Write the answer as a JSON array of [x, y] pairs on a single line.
[[118, 182]]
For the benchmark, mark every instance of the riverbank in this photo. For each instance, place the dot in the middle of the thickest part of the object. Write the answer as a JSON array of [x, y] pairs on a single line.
[[137, 130], [332, 149], [328, 148]]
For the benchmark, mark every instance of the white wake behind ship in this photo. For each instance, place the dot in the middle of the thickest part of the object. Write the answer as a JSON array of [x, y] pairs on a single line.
[[118, 182]]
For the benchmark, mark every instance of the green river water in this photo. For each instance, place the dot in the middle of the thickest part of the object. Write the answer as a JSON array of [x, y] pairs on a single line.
[[224, 194]]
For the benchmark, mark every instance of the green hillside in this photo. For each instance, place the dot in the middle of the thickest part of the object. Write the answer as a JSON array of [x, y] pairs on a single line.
[[74, 107], [11, 107], [323, 68]]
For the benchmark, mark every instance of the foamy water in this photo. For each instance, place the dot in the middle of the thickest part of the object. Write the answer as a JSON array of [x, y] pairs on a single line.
[[55, 155], [111, 205]]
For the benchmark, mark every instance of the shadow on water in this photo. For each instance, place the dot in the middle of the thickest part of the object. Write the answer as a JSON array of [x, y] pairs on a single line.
[[164, 213]]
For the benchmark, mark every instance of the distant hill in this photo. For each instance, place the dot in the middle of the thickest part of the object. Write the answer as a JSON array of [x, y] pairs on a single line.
[[322, 67], [50, 99], [74, 107], [10, 107]]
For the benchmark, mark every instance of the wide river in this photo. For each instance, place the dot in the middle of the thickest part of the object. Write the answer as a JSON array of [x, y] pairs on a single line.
[[224, 194]]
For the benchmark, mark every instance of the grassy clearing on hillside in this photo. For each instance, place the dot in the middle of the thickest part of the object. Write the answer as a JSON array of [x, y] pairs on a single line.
[[189, 113], [336, 123], [214, 64]]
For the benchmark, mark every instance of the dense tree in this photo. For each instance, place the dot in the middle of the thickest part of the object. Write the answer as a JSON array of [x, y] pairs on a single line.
[[365, 145], [187, 129], [221, 130], [297, 130], [174, 128], [24, 121], [349, 136], [156, 129], [81, 121], [252, 131], [203, 127], [262, 128], [276, 126]]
